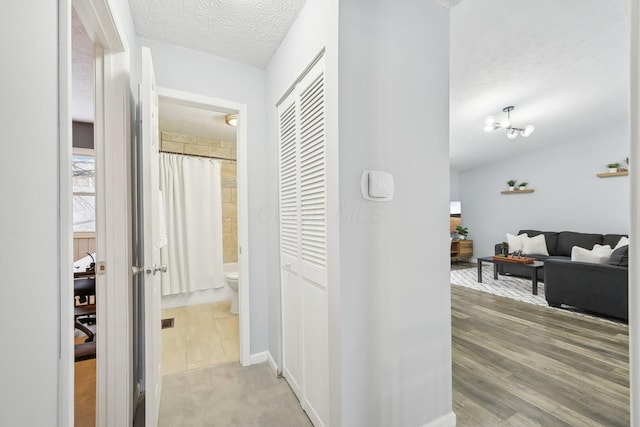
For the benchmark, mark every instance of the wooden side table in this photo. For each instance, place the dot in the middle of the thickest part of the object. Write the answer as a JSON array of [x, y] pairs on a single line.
[[461, 250]]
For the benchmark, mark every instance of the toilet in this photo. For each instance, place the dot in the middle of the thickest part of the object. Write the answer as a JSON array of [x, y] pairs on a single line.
[[231, 279]]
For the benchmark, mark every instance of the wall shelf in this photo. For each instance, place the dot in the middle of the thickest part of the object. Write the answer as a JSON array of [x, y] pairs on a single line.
[[610, 174], [517, 191]]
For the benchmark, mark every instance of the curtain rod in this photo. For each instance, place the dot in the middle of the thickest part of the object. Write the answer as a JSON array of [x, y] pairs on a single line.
[[199, 155]]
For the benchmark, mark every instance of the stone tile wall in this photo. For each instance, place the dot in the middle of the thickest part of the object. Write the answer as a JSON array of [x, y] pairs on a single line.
[[226, 151]]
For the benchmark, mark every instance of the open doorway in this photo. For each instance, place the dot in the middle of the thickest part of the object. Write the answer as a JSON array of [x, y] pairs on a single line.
[[211, 321], [83, 164]]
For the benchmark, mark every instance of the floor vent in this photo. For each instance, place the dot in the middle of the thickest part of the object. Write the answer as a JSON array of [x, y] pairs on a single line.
[[167, 323]]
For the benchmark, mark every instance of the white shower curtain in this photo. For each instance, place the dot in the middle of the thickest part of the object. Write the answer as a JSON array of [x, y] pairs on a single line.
[[193, 208]]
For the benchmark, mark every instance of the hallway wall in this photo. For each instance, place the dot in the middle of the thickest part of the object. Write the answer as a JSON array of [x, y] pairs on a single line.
[[394, 116], [29, 181]]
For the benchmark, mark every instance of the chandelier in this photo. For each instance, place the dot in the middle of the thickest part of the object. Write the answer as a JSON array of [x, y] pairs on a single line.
[[512, 132]]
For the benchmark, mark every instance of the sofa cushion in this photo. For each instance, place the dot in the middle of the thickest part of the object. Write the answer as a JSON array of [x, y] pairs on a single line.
[[550, 236], [568, 239], [535, 245], [598, 255], [515, 242], [624, 241], [620, 257], [612, 239]]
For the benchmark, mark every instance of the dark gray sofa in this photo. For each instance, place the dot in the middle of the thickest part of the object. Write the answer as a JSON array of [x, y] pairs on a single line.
[[597, 288]]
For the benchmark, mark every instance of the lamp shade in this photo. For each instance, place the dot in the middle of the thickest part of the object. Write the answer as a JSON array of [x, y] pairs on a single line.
[[512, 134], [490, 120], [528, 130]]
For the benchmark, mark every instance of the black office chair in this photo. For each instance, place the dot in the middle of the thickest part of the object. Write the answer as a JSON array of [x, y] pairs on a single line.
[[84, 311]]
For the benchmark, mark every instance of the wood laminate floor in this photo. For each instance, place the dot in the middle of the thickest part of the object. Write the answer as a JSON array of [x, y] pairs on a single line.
[[516, 364]]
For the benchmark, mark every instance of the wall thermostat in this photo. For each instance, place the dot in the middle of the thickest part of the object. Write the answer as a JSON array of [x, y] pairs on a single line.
[[376, 185]]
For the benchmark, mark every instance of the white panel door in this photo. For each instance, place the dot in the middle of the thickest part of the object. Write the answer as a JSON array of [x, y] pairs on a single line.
[[313, 244], [303, 243], [289, 246], [151, 249]]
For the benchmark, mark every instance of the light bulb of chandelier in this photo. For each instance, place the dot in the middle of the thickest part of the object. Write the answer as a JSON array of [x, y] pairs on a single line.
[[489, 128], [528, 130], [506, 123], [490, 120], [512, 134]]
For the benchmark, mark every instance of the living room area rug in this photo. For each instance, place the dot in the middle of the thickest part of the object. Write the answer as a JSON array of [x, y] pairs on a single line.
[[517, 288]]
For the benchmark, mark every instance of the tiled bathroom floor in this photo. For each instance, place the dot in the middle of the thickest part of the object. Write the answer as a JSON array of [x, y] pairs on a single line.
[[202, 335]]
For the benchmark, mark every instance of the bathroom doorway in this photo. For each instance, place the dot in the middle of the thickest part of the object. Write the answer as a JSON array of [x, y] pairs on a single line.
[[204, 324]]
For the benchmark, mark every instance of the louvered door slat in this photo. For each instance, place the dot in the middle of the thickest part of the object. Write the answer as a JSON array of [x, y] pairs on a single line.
[[312, 174], [288, 182]]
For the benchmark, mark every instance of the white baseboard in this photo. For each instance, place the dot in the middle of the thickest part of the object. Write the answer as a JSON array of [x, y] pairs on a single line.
[[256, 358], [448, 420], [273, 365]]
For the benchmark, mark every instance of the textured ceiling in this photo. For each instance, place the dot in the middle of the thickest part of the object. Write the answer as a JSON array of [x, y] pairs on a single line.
[[81, 72], [564, 65], [188, 119], [247, 31]]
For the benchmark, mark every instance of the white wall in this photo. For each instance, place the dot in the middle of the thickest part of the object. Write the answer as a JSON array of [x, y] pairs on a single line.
[[29, 260], [396, 342], [205, 74], [454, 185], [568, 196]]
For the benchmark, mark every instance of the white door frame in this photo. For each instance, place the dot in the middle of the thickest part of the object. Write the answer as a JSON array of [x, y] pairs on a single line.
[[112, 124], [634, 234], [244, 301]]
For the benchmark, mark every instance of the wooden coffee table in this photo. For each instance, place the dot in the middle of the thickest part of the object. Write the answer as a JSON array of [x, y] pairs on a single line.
[[533, 268]]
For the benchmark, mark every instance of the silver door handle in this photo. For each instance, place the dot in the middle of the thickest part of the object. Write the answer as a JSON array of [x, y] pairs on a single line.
[[154, 269]]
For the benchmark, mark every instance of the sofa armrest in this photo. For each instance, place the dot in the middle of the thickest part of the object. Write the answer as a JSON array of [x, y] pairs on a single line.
[[601, 288]]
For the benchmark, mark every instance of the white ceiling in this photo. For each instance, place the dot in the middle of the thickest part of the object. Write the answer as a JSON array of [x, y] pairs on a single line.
[[188, 119], [247, 31], [564, 65]]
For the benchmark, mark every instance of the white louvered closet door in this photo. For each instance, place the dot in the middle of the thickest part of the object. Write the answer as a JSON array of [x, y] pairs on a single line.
[[303, 243]]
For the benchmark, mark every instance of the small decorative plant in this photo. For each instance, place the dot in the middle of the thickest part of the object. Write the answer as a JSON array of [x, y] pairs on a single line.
[[523, 185], [613, 167], [511, 183], [504, 249], [462, 231]]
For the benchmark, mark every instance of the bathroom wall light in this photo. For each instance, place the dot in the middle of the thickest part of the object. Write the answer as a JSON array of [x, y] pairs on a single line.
[[231, 119], [492, 124]]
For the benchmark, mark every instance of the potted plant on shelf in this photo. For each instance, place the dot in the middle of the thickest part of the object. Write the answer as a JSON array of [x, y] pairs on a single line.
[[522, 186], [462, 232], [613, 167], [511, 183]]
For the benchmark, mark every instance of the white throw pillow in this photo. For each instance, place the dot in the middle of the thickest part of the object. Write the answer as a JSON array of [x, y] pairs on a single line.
[[624, 241], [515, 242], [535, 245], [598, 255]]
